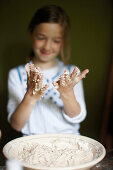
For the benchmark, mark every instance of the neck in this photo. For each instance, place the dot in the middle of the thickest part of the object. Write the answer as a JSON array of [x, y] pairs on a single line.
[[44, 65]]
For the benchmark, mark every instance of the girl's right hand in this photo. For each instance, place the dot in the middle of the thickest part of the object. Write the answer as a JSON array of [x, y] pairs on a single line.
[[35, 88]]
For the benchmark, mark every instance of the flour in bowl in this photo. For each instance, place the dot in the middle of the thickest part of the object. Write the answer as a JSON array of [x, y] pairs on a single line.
[[56, 154]]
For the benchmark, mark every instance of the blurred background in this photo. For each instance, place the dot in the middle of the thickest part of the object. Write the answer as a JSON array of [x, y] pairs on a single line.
[[91, 47]]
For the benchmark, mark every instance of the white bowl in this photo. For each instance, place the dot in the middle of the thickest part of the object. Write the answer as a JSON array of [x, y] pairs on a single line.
[[12, 148]]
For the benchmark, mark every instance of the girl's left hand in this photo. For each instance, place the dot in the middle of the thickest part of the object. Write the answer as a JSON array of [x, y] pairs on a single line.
[[67, 82]]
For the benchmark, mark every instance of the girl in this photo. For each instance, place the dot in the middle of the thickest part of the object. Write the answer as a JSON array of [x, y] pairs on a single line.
[[49, 97]]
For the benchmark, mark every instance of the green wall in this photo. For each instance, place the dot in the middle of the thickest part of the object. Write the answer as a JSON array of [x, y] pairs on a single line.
[[91, 47]]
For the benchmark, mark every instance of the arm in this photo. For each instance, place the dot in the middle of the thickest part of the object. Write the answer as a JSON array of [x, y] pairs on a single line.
[[66, 88], [21, 115], [71, 106], [22, 112]]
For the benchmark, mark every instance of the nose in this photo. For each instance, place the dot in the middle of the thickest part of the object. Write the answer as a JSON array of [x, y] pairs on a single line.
[[47, 45]]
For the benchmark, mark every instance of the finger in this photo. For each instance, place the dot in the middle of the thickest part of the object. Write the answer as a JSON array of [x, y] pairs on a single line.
[[81, 76], [31, 71], [55, 84], [75, 73], [66, 72], [27, 69], [28, 73], [62, 81], [40, 80], [38, 84], [37, 69], [67, 77], [36, 73], [43, 90]]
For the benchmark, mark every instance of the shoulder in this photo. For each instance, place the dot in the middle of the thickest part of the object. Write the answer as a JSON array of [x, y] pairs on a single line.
[[16, 72], [20, 67]]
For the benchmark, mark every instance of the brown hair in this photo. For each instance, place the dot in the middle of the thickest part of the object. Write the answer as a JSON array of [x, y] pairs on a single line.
[[53, 14]]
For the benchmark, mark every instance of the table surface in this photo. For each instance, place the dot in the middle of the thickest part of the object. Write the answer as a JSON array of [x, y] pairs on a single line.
[[106, 163]]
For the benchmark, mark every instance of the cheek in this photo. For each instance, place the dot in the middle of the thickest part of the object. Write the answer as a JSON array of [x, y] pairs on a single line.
[[57, 47], [37, 44]]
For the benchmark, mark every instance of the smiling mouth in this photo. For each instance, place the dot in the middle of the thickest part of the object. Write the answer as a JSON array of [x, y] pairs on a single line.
[[45, 53]]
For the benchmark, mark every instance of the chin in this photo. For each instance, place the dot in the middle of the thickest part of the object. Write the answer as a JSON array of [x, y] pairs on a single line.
[[44, 60]]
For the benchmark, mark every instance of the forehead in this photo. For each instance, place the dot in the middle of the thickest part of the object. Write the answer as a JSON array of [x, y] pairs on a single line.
[[49, 29]]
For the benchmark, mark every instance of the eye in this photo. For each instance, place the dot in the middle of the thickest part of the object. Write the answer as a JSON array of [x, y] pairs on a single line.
[[40, 37], [57, 41]]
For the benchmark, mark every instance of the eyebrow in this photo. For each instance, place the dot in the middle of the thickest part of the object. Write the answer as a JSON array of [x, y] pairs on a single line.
[[45, 35], [58, 37]]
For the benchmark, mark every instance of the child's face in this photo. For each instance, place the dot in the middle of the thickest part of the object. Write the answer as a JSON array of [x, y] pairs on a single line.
[[47, 41]]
